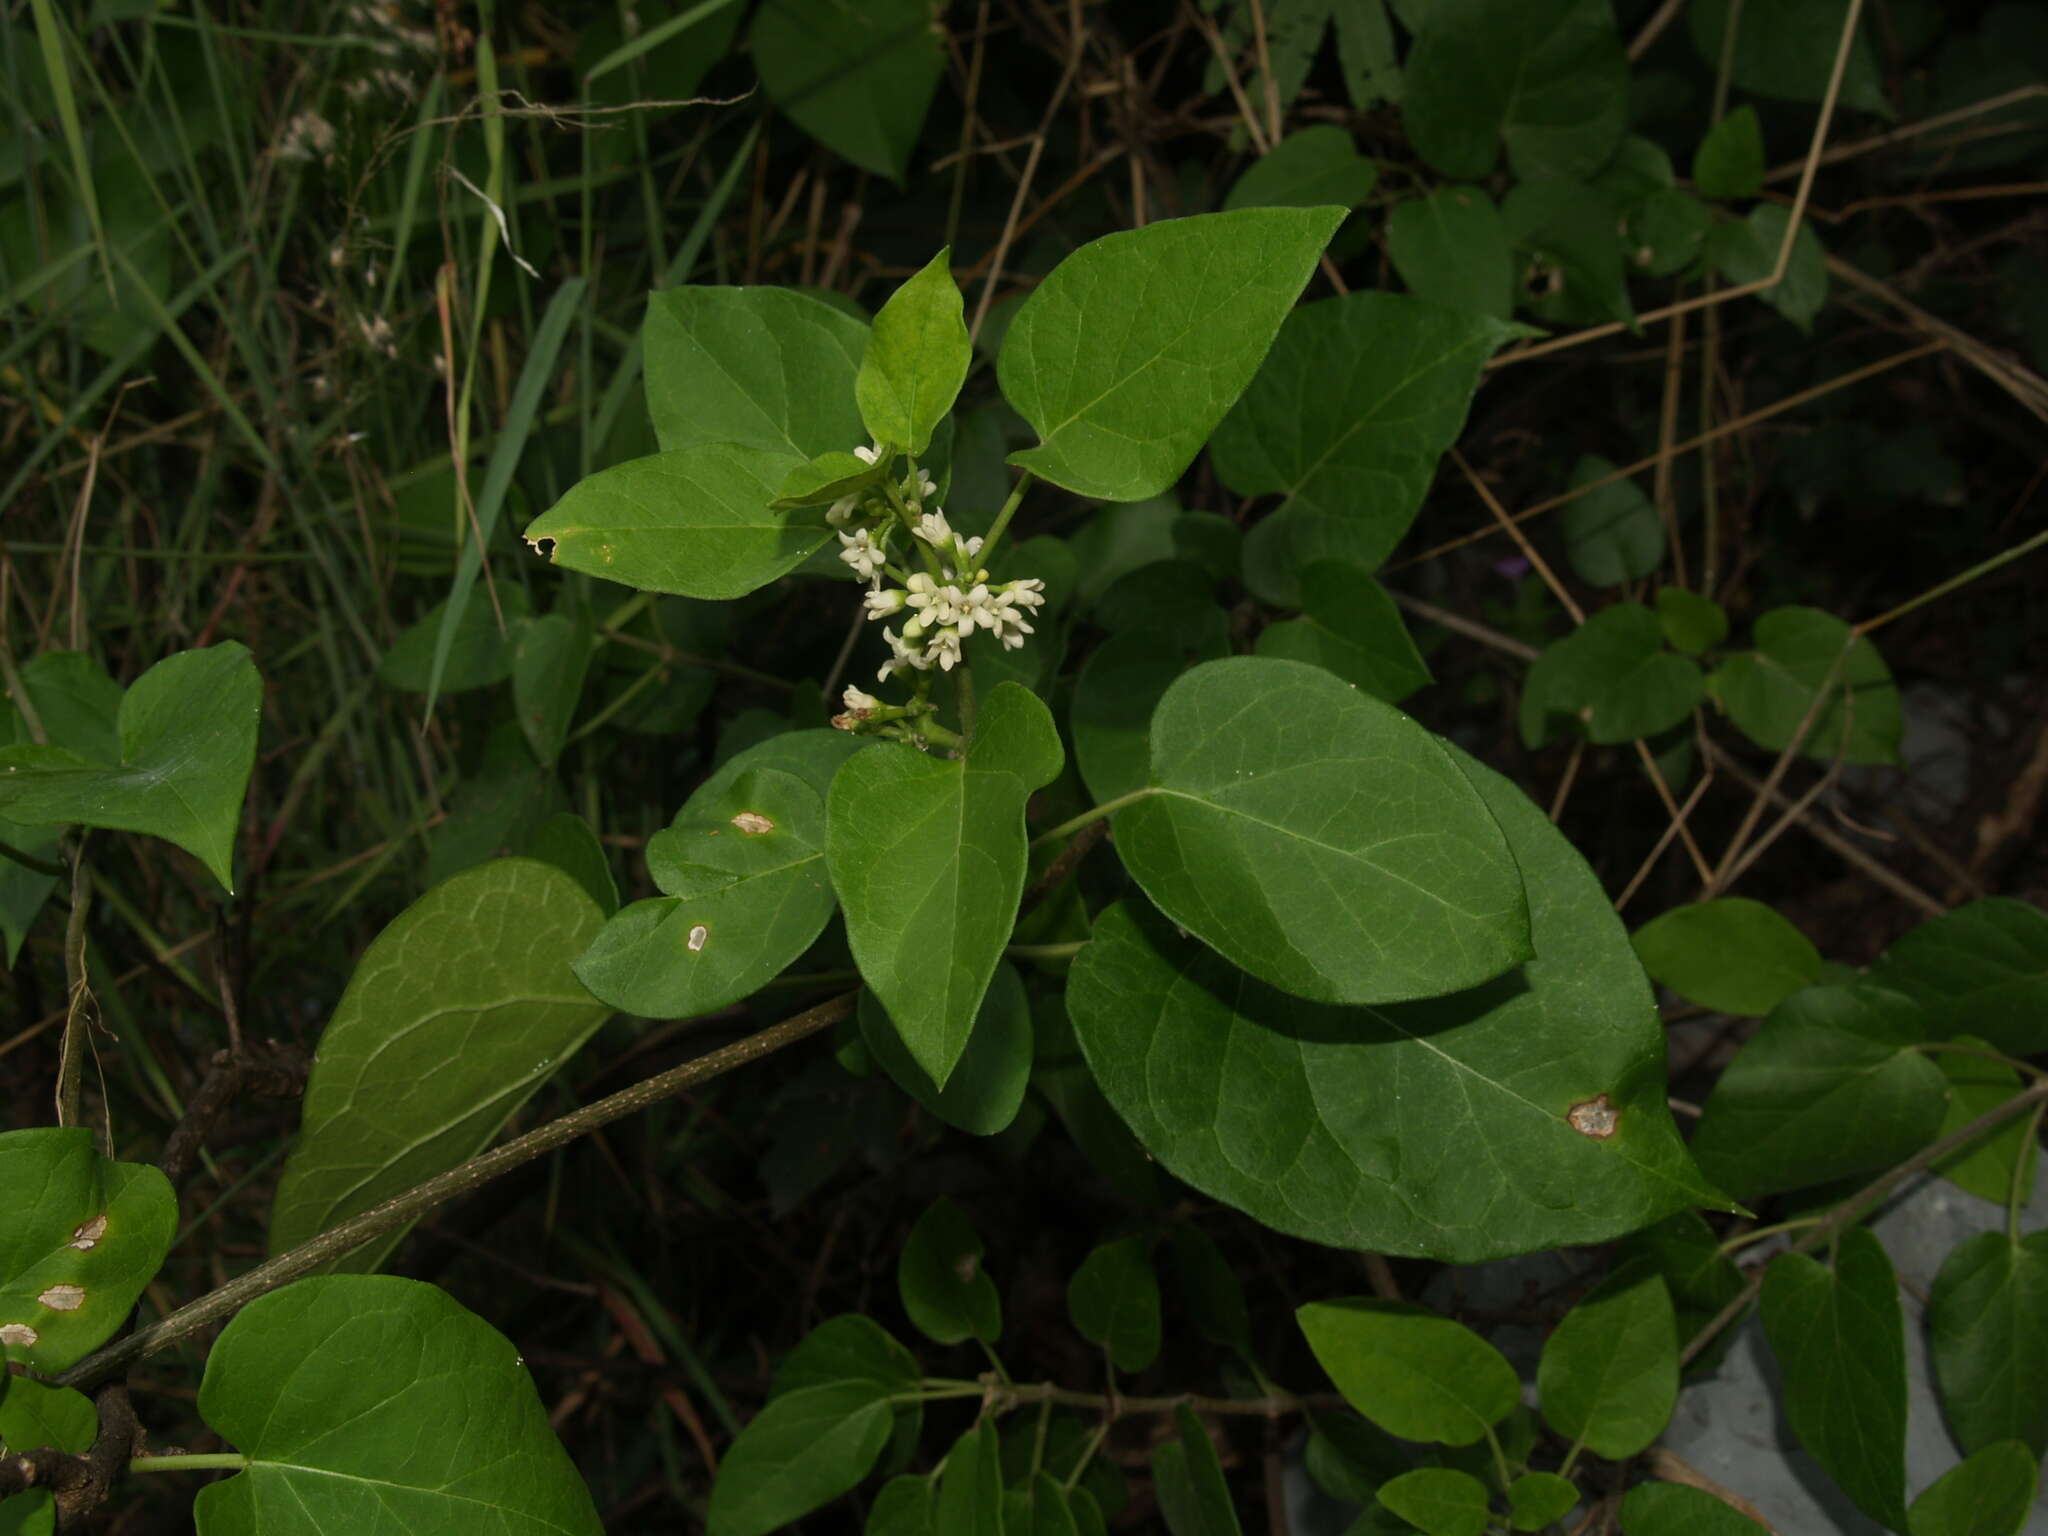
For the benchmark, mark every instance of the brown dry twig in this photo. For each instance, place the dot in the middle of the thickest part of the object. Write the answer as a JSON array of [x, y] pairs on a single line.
[[79, 1482]]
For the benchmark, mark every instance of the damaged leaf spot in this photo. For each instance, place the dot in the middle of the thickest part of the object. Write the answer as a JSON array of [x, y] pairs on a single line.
[[544, 547], [965, 1267], [698, 935], [86, 1233], [753, 823], [1595, 1117], [18, 1336], [63, 1298]]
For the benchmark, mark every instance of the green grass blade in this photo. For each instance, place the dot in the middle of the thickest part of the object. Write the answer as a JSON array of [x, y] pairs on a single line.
[[50, 34], [652, 38], [120, 367], [511, 443], [417, 155]]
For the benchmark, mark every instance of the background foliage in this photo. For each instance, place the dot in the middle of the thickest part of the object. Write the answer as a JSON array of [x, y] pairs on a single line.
[[312, 311]]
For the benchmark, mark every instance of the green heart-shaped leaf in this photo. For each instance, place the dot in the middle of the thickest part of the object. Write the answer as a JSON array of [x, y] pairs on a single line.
[[743, 866], [1516, 1116], [927, 855], [187, 745], [1345, 423], [83, 1236], [1609, 1373], [916, 359], [1128, 354], [456, 1013], [1321, 839], [765, 368], [1414, 1373], [697, 522], [1840, 1339], [370, 1403]]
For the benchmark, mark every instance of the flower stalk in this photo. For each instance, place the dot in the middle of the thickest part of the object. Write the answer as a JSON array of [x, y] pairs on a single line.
[[936, 610]]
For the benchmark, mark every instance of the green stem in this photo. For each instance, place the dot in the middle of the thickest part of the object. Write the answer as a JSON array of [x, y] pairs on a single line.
[[940, 1394], [1274, 1405], [216, 1461], [626, 612], [1002, 1372], [1942, 589], [1045, 951], [1868, 1198], [2016, 1192], [1002, 522], [908, 518], [1095, 1439], [31, 863], [2012, 1063], [1743, 1240], [1074, 824], [1500, 1457], [78, 997]]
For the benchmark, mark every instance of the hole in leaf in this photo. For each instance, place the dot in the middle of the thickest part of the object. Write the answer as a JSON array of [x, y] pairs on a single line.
[[86, 1233], [698, 936]]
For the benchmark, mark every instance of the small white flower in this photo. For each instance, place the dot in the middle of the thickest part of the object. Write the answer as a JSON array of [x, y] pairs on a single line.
[[934, 529], [868, 455], [1002, 610], [944, 648], [859, 703], [969, 548], [842, 509], [859, 550], [902, 657], [925, 486], [881, 604], [976, 607]]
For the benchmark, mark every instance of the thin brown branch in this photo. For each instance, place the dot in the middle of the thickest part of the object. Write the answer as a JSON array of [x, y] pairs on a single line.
[[479, 1170], [1847, 851]]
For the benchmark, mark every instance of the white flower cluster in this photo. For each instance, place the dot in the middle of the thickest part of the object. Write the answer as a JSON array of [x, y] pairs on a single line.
[[944, 612], [940, 611]]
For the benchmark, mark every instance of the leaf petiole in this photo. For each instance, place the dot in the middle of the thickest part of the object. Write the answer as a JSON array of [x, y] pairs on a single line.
[[1108, 808], [213, 1461]]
